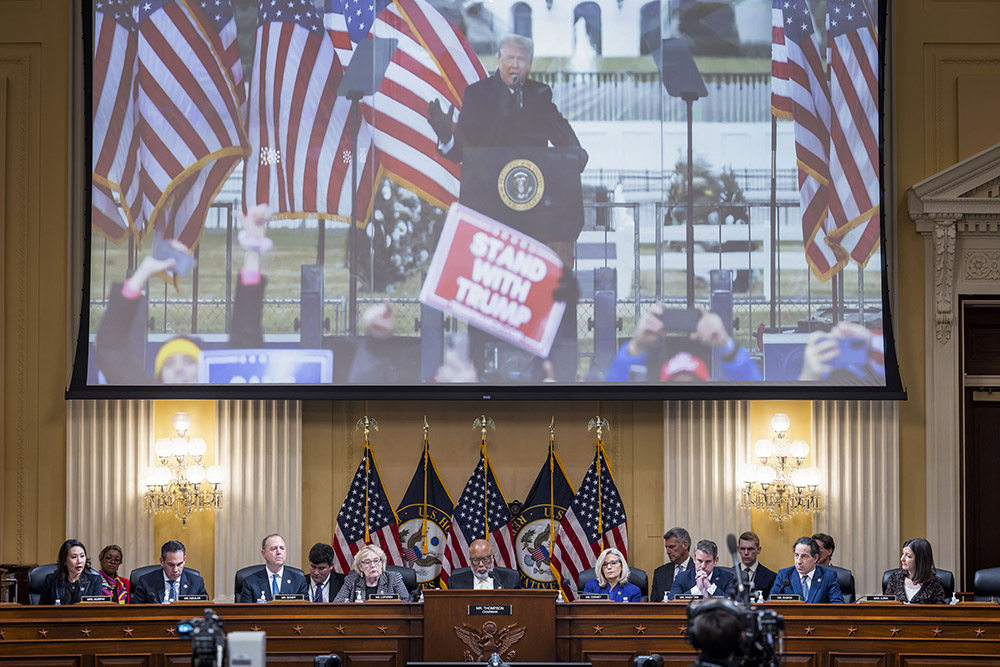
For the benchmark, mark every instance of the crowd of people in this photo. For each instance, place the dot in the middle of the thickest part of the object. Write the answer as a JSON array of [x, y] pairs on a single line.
[[692, 575]]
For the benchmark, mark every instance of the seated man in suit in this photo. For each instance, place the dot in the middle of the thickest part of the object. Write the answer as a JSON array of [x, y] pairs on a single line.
[[826, 548], [813, 582], [759, 577], [172, 581], [483, 575], [704, 579], [677, 542], [324, 583], [274, 579]]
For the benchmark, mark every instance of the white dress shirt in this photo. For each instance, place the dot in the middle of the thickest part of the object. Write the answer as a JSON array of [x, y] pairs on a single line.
[[484, 584]]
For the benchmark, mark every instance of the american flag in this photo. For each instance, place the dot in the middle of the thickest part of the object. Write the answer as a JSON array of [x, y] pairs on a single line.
[[781, 102], [115, 147], [594, 521], [300, 134], [366, 508], [191, 132], [482, 501], [809, 92], [433, 60], [852, 47]]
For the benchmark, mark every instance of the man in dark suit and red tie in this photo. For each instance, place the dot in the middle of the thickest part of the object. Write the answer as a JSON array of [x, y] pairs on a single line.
[[812, 582], [171, 581]]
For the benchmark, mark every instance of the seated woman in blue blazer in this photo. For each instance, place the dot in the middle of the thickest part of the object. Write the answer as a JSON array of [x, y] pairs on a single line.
[[71, 580], [612, 578]]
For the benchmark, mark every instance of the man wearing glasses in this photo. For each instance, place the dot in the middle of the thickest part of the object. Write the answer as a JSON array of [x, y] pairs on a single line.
[[483, 575]]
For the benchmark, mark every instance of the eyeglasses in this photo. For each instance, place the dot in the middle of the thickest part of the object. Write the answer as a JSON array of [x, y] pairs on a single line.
[[485, 560], [113, 559], [370, 562], [611, 563]]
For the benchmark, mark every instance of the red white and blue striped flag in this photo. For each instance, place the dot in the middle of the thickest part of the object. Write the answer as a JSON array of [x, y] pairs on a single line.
[[481, 503], [115, 142], [809, 92], [366, 517], [300, 137], [781, 101], [853, 58], [595, 520], [433, 60], [191, 132]]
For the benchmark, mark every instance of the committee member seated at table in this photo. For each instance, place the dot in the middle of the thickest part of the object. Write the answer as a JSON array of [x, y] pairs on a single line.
[[705, 579], [677, 544], [71, 580], [274, 579], [807, 579], [324, 583], [111, 584], [170, 582], [916, 582], [759, 577], [368, 577], [612, 578], [483, 574]]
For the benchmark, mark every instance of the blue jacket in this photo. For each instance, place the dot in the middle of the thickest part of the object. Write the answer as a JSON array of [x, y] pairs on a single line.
[[620, 593], [723, 580], [740, 369], [824, 587]]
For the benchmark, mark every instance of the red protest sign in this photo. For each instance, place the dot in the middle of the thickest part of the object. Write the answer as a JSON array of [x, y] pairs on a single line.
[[495, 278]]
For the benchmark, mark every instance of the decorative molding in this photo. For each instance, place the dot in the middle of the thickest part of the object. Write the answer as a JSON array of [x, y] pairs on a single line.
[[16, 69], [982, 265], [944, 277]]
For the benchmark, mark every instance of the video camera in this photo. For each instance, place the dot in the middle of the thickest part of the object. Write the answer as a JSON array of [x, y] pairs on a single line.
[[212, 647], [208, 639]]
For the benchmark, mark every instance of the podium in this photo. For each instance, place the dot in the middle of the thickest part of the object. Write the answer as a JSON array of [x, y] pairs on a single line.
[[534, 190], [468, 626]]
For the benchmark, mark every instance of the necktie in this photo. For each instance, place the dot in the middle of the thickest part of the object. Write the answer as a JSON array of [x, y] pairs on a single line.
[[318, 595], [173, 591], [748, 573], [805, 587], [275, 589]]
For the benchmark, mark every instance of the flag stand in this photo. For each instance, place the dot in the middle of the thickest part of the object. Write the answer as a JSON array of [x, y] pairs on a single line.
[[681, 78], [600, 423], [367, 424], [361, 78]]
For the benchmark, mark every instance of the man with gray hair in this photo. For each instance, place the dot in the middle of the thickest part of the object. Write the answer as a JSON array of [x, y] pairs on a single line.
[[677, 542], [505, 109], [705, 579]]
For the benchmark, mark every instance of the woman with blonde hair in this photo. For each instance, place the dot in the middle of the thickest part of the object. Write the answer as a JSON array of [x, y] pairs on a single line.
[[612, 578], [368, 577]]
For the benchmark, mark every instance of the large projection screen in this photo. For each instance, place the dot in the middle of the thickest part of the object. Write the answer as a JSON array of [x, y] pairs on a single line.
[[505, 199]]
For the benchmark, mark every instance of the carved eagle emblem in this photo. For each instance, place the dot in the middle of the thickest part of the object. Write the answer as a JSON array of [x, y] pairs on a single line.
[[491, 640]]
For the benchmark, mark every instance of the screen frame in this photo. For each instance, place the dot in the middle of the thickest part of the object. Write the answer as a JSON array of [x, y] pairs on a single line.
[[893, 389]]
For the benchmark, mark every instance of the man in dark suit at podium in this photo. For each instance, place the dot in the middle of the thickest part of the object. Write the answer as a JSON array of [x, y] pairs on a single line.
[[483, 574], [505, 109], [171, 581]]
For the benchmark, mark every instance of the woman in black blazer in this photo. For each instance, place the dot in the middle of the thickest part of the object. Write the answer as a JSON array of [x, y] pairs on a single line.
[[71, 580], [916, 582]]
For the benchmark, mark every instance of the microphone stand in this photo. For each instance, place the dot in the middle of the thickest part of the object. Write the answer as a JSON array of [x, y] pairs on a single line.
[[742, 589]]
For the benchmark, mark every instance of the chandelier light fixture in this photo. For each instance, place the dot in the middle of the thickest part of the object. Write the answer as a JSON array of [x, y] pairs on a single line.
[[779, 484], [180, 483]]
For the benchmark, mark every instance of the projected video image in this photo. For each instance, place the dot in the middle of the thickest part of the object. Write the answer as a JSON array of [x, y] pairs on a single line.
[[501, 193]]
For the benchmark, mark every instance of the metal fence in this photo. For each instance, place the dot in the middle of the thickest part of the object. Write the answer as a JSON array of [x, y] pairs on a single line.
[[633, 96]]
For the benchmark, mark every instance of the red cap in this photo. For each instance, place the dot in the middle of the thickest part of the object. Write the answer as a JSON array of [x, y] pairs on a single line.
[[683, 362]]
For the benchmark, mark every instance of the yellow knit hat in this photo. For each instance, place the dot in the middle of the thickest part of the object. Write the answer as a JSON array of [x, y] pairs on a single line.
[[184, 346]]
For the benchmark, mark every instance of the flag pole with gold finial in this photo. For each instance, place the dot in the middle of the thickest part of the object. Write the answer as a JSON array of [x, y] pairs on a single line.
[[423, 514], [367, 424], [483, 422], [600, 423]]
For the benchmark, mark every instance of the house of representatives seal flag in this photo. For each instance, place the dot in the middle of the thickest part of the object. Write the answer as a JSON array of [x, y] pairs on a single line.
[[424, 519], [535, 528]]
